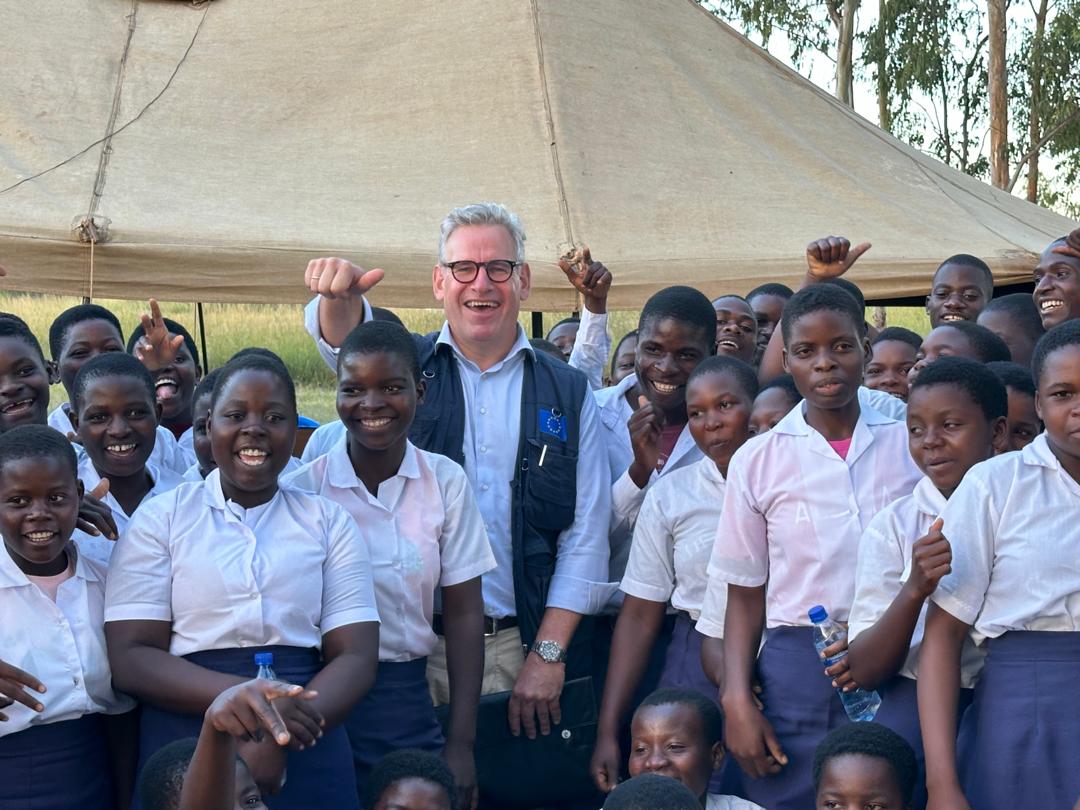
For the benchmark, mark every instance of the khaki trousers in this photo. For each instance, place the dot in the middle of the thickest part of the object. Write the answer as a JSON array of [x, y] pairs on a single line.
[[503, 660]]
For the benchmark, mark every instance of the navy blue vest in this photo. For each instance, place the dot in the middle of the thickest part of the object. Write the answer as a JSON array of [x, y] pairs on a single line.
[[544, 495]]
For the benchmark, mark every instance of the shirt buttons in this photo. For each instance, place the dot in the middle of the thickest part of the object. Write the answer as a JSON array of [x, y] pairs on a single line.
[[483, 448], [483, 410], [484, 487]]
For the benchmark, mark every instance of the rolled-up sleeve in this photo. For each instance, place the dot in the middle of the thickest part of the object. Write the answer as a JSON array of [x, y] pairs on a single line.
[[348, 590], [592, 348], [311, 323], [581, 565]]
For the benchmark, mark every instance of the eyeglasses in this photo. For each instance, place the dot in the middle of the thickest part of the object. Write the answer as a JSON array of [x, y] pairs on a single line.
[[498, 270]]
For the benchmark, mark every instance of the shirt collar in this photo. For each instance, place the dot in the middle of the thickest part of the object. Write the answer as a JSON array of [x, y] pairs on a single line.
[[611, 401], [928, 498], [1039, 454], [521, 344], [340, 472], [795, 424], [11, 576], [710, 472]]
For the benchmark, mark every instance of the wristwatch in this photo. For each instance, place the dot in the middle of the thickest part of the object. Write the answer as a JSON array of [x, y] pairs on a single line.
[[549, 651]]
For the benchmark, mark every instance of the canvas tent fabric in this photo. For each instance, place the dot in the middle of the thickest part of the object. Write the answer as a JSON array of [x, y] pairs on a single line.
[[249, 138]]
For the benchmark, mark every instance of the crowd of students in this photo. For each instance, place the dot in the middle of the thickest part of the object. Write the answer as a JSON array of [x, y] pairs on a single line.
[[497, 516]]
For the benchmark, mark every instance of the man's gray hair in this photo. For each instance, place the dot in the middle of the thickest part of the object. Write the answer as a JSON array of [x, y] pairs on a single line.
[[488, 213]]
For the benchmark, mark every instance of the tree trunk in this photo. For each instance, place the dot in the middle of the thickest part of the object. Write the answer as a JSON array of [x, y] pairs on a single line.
[[883, 84], [845, 48], [1035, 69], [999, 95]]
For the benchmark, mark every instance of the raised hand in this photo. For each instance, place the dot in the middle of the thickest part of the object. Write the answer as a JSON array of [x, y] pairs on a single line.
[[645, 425], [157, 347], [832, 256], [589, 278], [339, 278], [1071, 246], [95, 517], [931, 559], [12, 683]]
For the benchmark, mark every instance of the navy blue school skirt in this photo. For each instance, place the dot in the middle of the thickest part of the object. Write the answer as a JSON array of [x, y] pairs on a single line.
[[683, 668], [803, 707], [1022, 732], [397, 713], [321, 776], [56, 766]]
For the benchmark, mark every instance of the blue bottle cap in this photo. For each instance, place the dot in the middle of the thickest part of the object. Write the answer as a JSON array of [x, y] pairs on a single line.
[[264, 659], [817, 614]]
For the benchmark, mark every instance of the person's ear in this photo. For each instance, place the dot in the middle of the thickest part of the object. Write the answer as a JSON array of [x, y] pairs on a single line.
[[717, 754], [926, 304], [52, 371], [868, 352], [1038, 407], [999, 435], [525, 282], [80, 488], [421, 389], [783, 356], [73, 417], [438, 282]]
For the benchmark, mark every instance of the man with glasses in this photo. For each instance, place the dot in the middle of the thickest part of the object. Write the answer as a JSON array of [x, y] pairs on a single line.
[[525, 428]]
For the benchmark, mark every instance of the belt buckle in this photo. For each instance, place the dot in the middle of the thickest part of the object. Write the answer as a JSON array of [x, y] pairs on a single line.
[[494, 627]]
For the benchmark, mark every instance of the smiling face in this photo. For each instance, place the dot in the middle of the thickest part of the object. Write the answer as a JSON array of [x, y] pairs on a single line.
[[736, 329], [667, 351], [858, 782], [376, 401], [413, 793], [889, 365], [117, 423], [826, 356], [252, 427], [174, 385], [1022, 424], [24, 384], [959, 293], [767, 310], [948, 433], [1057, 287], [770, 406], [482, 313], [669, 740], [1057, 403], [718, 409], [39, 505], [84, 341]]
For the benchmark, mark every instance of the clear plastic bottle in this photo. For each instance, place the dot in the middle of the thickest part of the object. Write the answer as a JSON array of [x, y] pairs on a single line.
[[860, 705], [265, 662]]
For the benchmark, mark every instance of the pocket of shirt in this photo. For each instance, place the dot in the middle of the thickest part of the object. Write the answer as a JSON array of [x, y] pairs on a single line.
[[551, 486]]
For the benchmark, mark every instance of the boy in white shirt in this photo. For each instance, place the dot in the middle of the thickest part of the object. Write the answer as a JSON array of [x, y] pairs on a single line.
[[797, 500]]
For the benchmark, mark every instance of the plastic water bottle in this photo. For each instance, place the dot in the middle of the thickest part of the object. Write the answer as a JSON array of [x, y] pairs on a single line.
[[265, 662], [860, 705]]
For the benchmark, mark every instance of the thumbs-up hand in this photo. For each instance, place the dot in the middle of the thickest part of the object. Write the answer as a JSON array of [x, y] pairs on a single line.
[[1071, 246], [589, 278], [339, 278], [645, 425], [931, 559], [832, 256], [95, 517]]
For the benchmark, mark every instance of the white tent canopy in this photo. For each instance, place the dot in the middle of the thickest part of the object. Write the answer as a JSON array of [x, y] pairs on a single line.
[[251, 137]]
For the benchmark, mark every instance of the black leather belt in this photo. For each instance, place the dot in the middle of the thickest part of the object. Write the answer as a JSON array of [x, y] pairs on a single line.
[[491, 625]]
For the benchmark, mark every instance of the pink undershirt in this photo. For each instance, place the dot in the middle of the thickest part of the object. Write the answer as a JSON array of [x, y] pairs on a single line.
[[841, 446], [668, 437], [50, 586]]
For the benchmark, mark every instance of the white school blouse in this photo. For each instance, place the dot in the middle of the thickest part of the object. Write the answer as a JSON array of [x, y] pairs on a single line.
[[673, 537], [101, 548], [60, 643], [166, 453], [424, 531], [1014, 527], [794, 512], [286, 572], [884, 565]]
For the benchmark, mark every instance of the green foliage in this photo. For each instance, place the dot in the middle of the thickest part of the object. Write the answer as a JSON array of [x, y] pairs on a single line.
[[805, 22]]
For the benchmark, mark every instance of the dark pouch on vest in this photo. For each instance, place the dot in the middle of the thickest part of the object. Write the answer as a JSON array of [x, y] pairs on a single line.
[[551, 485], [519, 772]]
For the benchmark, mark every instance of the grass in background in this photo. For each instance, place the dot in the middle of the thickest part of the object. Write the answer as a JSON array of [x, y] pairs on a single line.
[[280, 327]]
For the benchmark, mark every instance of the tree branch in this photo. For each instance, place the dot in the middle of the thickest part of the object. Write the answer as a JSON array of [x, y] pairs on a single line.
[[1048, 136]]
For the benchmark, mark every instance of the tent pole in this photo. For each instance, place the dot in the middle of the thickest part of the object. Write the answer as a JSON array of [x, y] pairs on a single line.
[[202, 337], [538, 324]]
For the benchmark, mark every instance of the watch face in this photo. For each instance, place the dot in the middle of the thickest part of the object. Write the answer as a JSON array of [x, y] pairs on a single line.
[[550, 651]]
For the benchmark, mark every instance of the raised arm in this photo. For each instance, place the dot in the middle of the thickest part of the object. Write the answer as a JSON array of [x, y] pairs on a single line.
[[592, 346], [341, 286]]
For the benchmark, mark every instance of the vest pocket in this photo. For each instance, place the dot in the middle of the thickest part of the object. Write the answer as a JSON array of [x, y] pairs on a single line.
[[550, 486]]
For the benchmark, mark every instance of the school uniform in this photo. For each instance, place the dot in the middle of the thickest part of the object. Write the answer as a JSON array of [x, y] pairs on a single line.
[[166, 453], [722, 802], [882, 402], [192, 473], [322, 440], [57, 758], [233, 582], [793, 513], [101, 548], [592, 348], [425, 532], [1012, 524], [884, 565], [186, 445]]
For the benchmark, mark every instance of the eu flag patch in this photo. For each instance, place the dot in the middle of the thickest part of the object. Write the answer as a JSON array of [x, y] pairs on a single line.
[[553, 423]]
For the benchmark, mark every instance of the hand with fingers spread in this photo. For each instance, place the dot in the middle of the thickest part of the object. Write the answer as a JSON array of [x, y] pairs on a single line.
[[589, 278], [157, 347], [1071, 246], [831, 257], [931, 559], [13, 685], [645, 426], [95, 516], [339, 278], [749, 737], [535, 698]]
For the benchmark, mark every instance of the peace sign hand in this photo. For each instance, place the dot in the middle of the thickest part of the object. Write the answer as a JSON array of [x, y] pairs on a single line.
[[157, 347]]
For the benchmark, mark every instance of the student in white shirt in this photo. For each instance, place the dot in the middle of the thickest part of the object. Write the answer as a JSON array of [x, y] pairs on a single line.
[[1015, 588], [211, 573], [78, 335], [55, 683], [956, 418], [677, 732], [673, 537], [115, 416], [796, 502], [426, 536]]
